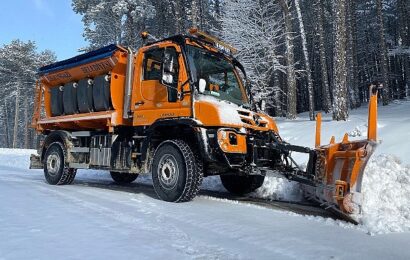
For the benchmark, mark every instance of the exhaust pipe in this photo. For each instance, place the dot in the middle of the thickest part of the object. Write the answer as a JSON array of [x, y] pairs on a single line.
[[128, 84]]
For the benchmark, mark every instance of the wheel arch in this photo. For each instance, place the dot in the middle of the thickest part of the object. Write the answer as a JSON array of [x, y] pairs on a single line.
[[167, 129], [60, 136]]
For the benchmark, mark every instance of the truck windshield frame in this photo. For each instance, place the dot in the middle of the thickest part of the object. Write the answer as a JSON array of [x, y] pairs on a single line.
[[222, 78]]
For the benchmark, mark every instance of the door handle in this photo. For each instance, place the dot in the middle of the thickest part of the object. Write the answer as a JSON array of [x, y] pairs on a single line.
[[139, 103]]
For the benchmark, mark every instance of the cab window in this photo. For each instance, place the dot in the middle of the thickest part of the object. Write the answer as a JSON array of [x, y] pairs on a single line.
[[152, 64]]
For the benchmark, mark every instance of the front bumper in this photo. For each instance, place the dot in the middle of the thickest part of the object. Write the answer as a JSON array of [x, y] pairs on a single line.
[[259, 153]]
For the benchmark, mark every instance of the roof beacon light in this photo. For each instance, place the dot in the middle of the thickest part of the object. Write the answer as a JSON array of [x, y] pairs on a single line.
[[213, 40]]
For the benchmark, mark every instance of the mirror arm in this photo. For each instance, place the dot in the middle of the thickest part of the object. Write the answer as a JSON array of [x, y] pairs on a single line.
[[180, 95]]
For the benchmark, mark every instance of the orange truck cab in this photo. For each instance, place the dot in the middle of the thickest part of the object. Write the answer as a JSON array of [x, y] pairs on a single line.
[[179, 108]]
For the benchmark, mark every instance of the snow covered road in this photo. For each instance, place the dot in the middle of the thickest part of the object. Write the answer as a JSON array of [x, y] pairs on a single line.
[[39, 221], [96, 219]]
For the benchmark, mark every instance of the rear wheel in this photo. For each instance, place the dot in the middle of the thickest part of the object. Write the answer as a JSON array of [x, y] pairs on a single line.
[[176, 172], [123, 178], [55, 170], [241, 185]]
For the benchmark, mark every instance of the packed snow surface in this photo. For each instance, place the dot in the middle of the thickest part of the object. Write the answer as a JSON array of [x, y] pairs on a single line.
[[96, 219]]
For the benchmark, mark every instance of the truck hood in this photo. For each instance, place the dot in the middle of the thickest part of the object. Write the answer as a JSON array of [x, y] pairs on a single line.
[[213, 112]]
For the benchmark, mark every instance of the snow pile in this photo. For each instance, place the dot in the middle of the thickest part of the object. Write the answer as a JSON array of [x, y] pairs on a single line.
[[386, 196], [277, 187], [359, 131]]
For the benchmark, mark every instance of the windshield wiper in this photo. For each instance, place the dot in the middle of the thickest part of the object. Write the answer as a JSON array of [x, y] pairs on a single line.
[[246, 106]]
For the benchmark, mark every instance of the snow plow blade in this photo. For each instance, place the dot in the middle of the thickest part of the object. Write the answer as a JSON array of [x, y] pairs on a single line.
[[335, 171]]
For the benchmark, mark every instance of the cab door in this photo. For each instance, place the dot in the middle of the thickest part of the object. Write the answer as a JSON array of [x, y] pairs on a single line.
[[152, 99]]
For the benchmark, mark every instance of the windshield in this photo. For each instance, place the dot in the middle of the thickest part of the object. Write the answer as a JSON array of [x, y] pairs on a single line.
[[221, 80]]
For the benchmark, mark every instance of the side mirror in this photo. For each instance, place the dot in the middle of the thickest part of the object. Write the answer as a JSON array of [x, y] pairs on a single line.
[[202, 85], [169, 68], [262, 104], [167, 78]]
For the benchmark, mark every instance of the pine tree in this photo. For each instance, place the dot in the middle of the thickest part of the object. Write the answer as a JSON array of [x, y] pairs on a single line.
[[19, 63]]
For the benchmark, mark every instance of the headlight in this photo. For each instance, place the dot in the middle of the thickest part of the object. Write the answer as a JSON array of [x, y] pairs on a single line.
[[231, 141]]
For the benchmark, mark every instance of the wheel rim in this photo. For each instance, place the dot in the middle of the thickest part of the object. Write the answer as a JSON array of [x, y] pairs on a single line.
[[53, 164], [168, 171]]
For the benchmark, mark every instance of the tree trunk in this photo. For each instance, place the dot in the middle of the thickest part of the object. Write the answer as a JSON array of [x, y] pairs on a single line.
[[406, 61], [340, 109], [322, 56], [354, 52], [403, 7], [16, 117], [307, 64], [195, 13], [6, 124], [383, 53], [179, 16], [26, 124], [350, 56], [290, 68]]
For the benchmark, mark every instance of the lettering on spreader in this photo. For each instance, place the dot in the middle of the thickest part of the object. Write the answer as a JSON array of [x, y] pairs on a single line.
[[62, 75], [104, 65]]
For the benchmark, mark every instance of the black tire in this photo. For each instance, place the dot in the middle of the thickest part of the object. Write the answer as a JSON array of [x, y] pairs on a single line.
[[57, 107], [55, 170], [85, 95], [241, 185], [70, 98], [101, 93], [123, 178], [176, 172]]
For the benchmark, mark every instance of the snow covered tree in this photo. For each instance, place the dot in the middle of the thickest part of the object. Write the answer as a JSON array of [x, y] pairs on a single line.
[[113, 21], [254, 28], [19, 63]]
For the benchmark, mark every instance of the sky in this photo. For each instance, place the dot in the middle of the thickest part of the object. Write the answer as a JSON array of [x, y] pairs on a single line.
[[52, 24]]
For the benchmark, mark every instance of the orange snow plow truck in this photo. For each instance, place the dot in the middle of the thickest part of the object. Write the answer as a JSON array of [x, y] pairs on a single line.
[[180, 109]]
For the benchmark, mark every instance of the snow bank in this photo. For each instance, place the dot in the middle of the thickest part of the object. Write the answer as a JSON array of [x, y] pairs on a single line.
[[386, 196], [15, 158]]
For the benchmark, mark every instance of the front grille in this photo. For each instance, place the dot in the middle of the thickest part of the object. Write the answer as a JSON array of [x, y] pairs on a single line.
[[243, 113]]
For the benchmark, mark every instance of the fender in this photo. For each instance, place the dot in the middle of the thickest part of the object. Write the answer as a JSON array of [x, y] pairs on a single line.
[[183, 123]]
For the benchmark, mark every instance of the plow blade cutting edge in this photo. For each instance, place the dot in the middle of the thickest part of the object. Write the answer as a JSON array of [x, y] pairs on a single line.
[[335, 171]]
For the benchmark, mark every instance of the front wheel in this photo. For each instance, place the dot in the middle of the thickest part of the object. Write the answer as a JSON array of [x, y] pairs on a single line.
[[55, 170], [241, 185], [176, 172], [123, 178]]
